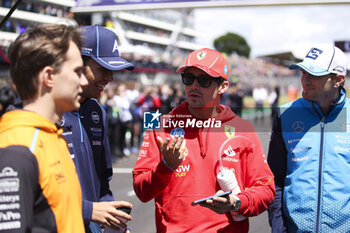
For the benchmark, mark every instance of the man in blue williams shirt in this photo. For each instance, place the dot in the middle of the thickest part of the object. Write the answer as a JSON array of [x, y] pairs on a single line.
[[86, 131], [309, 149]]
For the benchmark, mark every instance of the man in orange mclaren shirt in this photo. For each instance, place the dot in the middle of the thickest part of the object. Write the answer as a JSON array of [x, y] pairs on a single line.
[[180, 159], [38, 180]]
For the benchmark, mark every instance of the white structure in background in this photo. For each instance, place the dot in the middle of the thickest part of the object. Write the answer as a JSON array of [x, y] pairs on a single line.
[[155, 40], [47, 11], [156, 33]]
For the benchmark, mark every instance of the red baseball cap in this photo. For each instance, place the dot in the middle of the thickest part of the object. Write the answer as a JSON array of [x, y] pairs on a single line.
[[210, 61]]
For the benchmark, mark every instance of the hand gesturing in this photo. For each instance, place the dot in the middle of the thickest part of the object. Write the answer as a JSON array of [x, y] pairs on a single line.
[[174, 153]]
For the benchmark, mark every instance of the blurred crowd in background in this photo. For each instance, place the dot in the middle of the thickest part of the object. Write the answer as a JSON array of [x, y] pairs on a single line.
[[254, 85], [19, 26], [39, 7]]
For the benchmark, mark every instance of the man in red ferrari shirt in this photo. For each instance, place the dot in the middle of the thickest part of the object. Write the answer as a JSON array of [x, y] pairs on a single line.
[[179, 162]]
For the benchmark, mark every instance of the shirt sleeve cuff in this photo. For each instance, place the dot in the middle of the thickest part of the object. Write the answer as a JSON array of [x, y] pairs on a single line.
[[244, 202], [87, 211]]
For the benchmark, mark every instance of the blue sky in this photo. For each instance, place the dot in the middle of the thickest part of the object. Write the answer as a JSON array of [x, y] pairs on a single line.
[[277, 29]]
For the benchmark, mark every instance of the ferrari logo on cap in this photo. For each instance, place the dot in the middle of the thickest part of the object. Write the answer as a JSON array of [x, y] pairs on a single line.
[[201, 55]]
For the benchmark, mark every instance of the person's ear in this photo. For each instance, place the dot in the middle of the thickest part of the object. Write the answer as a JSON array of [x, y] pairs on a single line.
[[339, 80], [223, 87], [47, 74]]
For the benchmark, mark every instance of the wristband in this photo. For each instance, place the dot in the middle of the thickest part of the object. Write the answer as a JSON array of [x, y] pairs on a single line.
[[167, 165]]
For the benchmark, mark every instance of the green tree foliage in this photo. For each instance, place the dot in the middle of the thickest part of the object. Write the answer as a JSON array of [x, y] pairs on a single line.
[[232, 43]]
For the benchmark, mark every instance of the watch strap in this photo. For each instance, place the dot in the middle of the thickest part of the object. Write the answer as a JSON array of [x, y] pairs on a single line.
[[237, 205]]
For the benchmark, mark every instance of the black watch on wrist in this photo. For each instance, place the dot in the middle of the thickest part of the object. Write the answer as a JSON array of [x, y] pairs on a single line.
[[237, 205]]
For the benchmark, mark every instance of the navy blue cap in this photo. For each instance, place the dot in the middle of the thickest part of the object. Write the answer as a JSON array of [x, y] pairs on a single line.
[[100, 44]]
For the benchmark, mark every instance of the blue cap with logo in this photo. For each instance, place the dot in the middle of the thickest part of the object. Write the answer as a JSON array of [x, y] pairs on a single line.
[[100, 44]]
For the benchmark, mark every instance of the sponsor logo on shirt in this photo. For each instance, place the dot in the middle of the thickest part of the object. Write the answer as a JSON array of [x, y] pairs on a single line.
[[343, 139], [95, 117], [96, 132], [229, 131], [67, 133], [299, 149], [62, 122], [9, 181], [229, 151], [177, 132], [145, 144], [142, 153], [58, 172], [9, 202], [96, 129], [298, 127], [182, 170], [298, 140], [300, 159], [185, 154], [96, 143], [342, 149]]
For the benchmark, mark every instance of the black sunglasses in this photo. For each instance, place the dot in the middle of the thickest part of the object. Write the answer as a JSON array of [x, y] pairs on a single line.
[[203, 80]]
